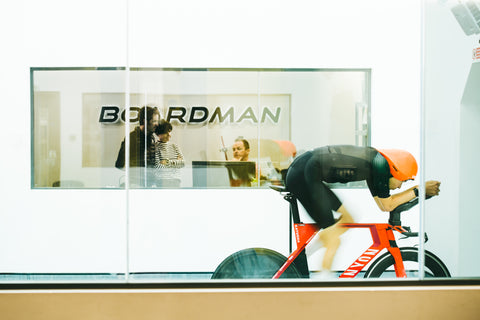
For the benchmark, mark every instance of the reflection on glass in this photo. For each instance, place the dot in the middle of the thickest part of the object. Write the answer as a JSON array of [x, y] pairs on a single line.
[[168, 157], [73, 114], [79, 128], [47, 148], [141, 151]]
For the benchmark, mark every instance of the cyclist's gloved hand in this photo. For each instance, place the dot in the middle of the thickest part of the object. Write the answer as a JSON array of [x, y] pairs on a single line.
[[432, 188]]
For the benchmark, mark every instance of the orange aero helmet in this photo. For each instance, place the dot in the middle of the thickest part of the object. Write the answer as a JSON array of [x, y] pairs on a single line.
[[403, 165]]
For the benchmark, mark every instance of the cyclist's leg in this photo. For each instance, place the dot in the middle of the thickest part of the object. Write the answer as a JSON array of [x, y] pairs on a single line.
[[330, 237], [320, 203], [304, 180], [296, 184]]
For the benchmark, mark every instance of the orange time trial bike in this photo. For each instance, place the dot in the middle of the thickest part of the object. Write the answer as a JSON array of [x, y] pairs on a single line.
[[401, 262]]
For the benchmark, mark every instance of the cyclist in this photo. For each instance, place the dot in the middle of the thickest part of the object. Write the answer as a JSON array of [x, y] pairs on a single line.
[[383, 170]]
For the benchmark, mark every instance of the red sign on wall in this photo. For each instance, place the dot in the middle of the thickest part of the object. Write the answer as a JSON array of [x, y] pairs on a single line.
[[476, 53]]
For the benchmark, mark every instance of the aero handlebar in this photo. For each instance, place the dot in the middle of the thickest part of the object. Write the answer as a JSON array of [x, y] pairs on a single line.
[[395, 213]]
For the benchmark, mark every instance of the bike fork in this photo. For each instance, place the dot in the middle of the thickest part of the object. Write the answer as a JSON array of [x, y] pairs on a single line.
[[398, 265]]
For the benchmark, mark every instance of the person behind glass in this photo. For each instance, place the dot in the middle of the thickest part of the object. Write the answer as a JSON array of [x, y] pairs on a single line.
[[382, 169], [142, 135], [239, 176], [168, 157], [241, 150]]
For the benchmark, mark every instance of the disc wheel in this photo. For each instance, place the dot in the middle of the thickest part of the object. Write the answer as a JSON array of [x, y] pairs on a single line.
[[383, 267], [254, 263]]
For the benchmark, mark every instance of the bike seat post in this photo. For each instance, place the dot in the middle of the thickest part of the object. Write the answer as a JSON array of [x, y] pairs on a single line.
[[301, 260], [293, 207]]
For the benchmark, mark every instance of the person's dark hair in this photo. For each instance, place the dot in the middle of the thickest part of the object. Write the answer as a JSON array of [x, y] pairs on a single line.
[[150, 112], [245, 143], [163, 127]]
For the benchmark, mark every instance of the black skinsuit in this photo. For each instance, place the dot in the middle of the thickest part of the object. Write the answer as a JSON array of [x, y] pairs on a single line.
[[307, 175]]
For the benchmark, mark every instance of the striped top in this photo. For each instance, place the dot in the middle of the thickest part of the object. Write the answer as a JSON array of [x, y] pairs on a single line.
[[168, 160]]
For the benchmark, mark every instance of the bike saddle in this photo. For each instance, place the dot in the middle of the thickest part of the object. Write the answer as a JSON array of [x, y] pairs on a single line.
[[279, 188]]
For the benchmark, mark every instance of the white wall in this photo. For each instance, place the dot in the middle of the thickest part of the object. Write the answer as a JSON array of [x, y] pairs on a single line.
[[60, 231], [377, 34], [448, 61]]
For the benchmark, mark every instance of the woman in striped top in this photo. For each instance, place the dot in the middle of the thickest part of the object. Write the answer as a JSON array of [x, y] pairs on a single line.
[[168, 157]]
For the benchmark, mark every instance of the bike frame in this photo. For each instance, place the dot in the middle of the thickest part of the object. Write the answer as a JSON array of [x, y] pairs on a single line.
[[244, 263], [382, 236]]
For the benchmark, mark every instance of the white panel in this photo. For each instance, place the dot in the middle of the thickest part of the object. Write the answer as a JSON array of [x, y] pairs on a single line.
[[36, 231]]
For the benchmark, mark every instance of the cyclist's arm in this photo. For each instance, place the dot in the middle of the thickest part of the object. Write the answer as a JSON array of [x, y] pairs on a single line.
[[390, 203], [432, 188]]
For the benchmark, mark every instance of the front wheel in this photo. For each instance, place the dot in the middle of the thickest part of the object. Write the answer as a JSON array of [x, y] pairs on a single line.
[[383, 267], [254, 263]]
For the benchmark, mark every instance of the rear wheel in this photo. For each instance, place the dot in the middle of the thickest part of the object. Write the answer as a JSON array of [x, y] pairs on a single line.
[[383, 267], [254, 263]]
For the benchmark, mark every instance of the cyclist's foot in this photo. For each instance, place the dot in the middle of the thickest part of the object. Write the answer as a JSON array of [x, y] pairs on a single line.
[[325, 275]]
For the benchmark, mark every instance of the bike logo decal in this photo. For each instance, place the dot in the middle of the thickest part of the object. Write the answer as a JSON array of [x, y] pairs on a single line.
[[362, 261]]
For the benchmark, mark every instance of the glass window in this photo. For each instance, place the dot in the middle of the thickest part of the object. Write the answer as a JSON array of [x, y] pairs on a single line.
[[224, 127], [452, 117], [75, 115], [146, 173]]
